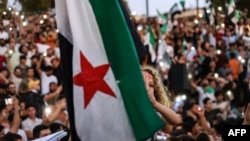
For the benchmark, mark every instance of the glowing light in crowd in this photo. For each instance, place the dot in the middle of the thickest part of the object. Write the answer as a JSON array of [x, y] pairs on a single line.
[[242, 60], [208, 11], [220, 8], [24, 23], [10, 51], [159, 41], [22, 16], [161, 63], [133, 13], [10, 28], [57, 30], [196, 21], [183, 97], [229, 93], [218, 51], [9, 8], [45, 16], [216, 75], [4, 13], [192, 48], [190, 76], [47, 111], [139, 27], [41, 21], [16, 13], [222, 25], [200, 15], [180, 97]]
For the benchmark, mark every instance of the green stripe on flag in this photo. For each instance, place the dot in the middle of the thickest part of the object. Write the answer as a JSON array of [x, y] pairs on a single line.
[[122, 55], [151, 36]]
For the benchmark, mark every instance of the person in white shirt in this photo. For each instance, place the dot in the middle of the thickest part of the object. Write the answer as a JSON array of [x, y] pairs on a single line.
[[46, 76], [31, 121]]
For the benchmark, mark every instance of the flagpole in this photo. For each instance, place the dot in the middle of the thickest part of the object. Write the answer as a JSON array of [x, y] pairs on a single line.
[[147, 8], [197, 7]]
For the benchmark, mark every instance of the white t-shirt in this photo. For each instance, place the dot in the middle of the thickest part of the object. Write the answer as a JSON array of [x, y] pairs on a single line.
[[42, 47], [20, 132], [4, 35], [29, 125], [45, 81]]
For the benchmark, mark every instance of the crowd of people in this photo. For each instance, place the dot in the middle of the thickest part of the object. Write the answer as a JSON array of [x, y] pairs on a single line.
[[205, 67], [32, 103], [197, 76]]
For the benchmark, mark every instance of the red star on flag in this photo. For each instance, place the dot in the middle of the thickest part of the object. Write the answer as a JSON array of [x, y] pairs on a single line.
[[92, 80]]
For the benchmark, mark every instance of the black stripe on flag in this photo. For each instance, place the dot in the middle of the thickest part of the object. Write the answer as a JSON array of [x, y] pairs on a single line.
[[140, 49], [66, 52]]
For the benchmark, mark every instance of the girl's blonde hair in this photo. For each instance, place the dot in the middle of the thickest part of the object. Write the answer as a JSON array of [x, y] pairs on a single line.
[[161, 93]]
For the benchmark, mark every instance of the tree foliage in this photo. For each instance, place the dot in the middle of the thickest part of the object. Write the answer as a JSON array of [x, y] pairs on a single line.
[[35, 5]]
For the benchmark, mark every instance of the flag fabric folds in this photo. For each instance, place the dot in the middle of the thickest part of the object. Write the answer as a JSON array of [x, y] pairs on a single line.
[[231, 7], [104, 86], [162, 19], [150, 41]]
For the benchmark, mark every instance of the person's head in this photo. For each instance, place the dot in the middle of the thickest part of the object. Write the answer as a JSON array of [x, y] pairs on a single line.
[[204, 83], [12, 137], [31, 110], [17, 71], [34, 59], [11, 88], [202, 136], [229, 76], [207, 103], [30, 72], [154, 85], [50, 52], [41, 131], [5, 72], [61, 99], [48, 70], [53, 86], [22, 59], [191, 125], [212, 64], [55, 62], [56, 127], [219, 95]]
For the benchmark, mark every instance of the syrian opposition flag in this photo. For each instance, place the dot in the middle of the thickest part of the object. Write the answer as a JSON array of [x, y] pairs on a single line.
[[182, 3], [162, 19], [174, 9], [150, 41], [106, 96], [231, 7]]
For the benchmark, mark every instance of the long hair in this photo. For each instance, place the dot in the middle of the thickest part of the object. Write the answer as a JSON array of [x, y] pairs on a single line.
[[160, 91]]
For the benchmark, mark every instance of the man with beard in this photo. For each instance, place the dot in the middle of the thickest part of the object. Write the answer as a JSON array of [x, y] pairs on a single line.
[[54, 91], [46, 76], [11, 89]]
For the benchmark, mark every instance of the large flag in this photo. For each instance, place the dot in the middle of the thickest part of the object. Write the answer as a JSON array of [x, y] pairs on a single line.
[[140, 49], [106, 96]]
